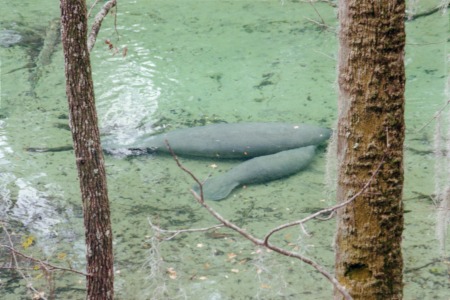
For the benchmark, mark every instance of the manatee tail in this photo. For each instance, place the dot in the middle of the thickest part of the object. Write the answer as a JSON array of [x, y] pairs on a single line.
[[216, 188]]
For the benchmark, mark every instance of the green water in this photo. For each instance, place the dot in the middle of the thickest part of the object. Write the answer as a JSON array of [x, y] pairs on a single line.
[[191, 63]]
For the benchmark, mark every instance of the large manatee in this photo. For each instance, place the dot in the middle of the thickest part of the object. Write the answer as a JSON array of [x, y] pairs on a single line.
[[235, 140]]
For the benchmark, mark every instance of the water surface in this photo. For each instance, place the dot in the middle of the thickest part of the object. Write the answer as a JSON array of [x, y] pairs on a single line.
[[191, 63]]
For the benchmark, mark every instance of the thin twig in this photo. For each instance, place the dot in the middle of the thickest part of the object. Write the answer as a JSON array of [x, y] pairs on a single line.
[[331, 3], [200, 184], [177, 232], [305, 232], [326, 210], [47, 266], [323, 22], [16, 263], [436, 115], [331, 215], [326, 55], [15, 268], [92, 7], [429, 12], [432, 262]]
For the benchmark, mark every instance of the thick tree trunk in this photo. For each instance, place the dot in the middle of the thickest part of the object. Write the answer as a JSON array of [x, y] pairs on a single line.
[[88, 152], [371, 132]]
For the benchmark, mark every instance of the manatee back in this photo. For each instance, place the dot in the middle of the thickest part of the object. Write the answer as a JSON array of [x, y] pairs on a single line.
[[258, 170], [240, 140], [271, 167]]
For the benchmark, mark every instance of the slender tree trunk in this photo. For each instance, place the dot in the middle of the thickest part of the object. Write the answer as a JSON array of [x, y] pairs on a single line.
[[88, 152], [371, 133]]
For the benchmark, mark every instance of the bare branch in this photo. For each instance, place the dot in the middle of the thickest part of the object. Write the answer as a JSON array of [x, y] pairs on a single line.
[[177, 232], [98, 23], [227, 223], [259, 242], [331, 3], [92, 7], [441, 7], [45, 265], [317, 12], [326, 210], [16, 264], [437, 115], [186, 170]]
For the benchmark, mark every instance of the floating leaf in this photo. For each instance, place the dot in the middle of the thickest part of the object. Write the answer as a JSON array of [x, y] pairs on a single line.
[[172, 273], [62, 256], [28, 241], [231, 256]]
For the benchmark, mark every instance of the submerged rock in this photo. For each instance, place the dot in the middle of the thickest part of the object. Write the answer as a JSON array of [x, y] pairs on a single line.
[[9, 38]]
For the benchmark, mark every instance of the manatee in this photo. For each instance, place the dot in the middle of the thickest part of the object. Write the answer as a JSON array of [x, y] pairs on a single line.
[[274, 150], [257, 170], [235, 140]]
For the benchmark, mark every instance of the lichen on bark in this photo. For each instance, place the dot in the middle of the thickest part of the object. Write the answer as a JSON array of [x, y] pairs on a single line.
[[371, 132]]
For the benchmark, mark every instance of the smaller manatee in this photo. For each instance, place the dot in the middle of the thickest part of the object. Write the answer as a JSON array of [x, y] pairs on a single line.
[[257, 170]]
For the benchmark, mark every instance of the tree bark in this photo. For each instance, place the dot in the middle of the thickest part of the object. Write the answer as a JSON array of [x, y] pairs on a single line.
[[88, 152], [371, 132]]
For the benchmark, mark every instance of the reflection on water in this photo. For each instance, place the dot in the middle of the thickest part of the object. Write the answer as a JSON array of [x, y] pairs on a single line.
[[9, 37], [6, 177], [22, 201], [5, 148], [127, 97], [33, 209]]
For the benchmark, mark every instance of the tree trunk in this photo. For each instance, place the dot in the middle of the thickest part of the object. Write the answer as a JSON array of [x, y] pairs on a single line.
[[88, 152], [370, 135]]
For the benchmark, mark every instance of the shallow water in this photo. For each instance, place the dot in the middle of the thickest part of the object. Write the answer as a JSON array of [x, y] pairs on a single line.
[[192, 63]]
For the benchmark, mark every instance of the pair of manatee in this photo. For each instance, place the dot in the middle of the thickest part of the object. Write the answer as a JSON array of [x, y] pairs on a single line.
[[273, 150]]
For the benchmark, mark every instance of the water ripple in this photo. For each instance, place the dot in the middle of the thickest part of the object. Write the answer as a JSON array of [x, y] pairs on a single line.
[[129, 90]]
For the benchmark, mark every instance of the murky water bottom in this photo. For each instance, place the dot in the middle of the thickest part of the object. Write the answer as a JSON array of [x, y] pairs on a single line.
[[192, 63]]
